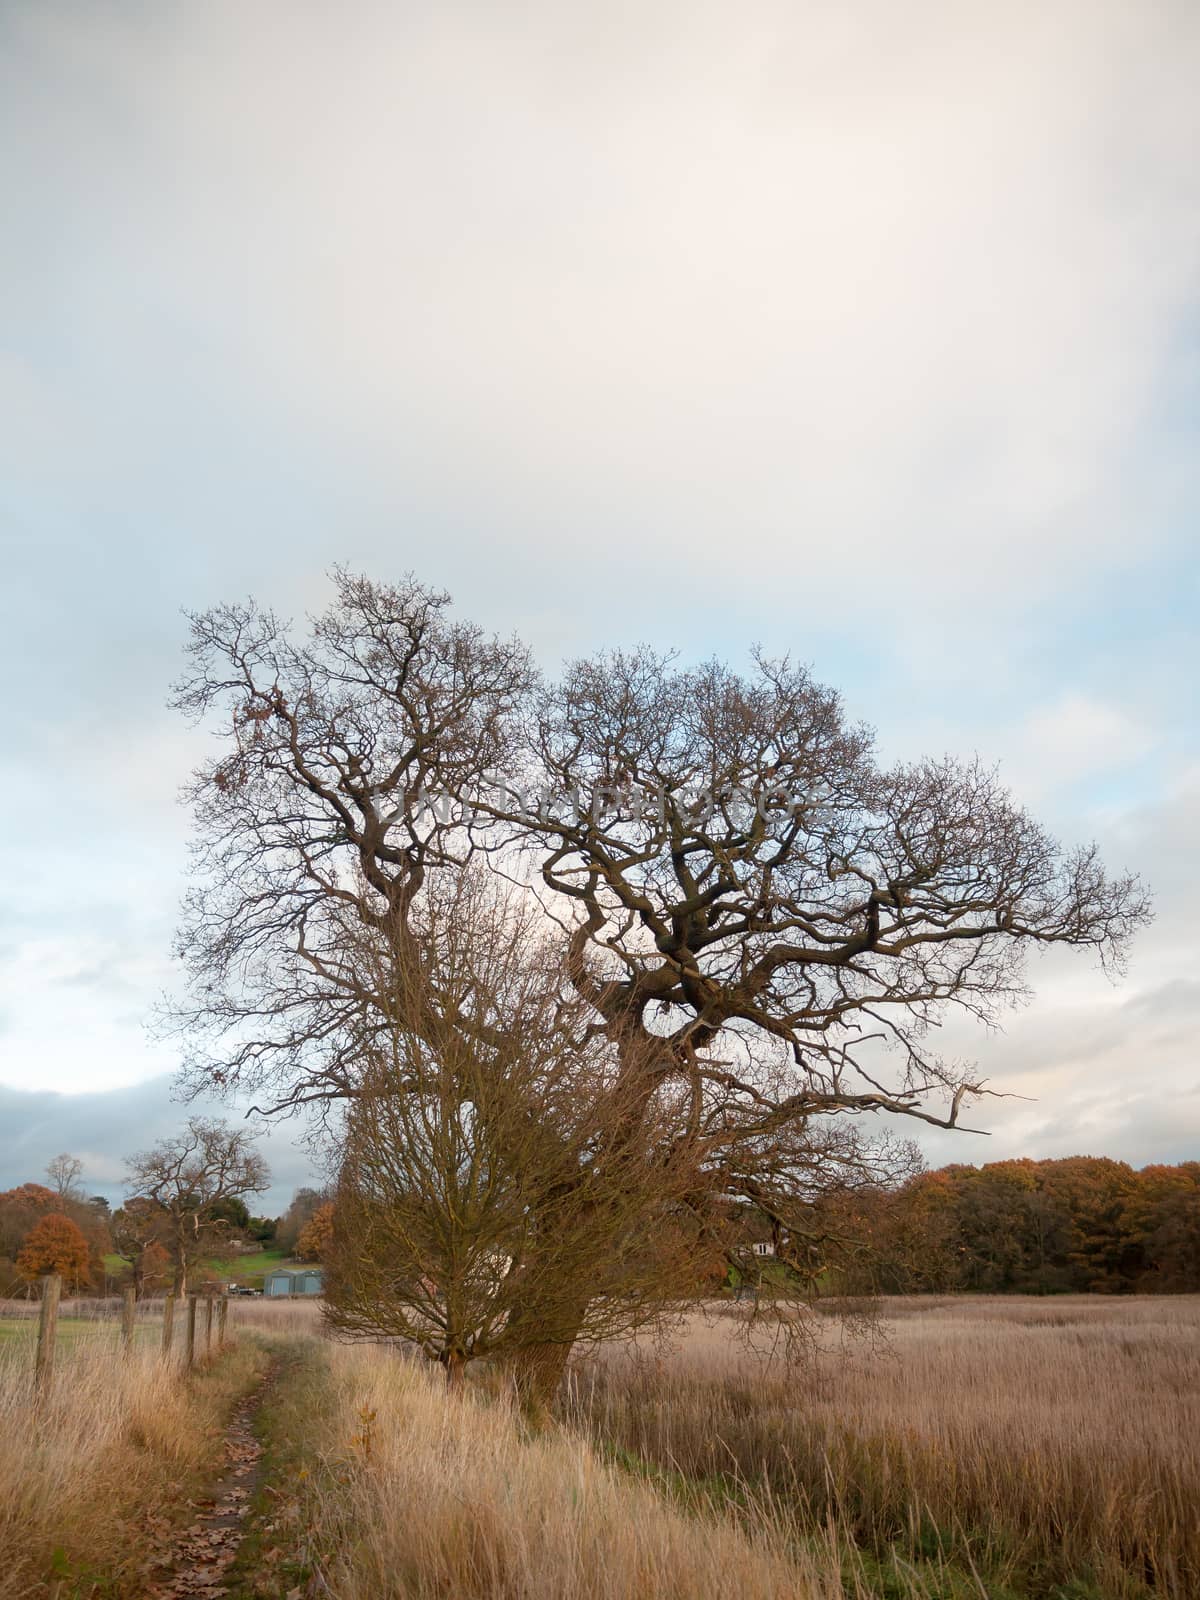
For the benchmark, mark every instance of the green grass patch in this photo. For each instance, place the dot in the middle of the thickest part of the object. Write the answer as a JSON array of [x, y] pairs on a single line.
[[249, 1269], [71, 1330], [275, 1557]]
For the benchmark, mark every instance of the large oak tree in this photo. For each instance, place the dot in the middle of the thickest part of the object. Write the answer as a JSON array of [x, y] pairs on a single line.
[[746, 896]]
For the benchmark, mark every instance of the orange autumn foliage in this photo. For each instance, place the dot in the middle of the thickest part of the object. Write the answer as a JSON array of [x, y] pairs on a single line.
[[55, 1245], [316, 1235]]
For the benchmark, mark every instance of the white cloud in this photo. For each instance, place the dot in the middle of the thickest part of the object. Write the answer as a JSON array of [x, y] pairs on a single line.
[[105, 1129], [1080, 735], [862, 324], [76, 1006], [1107, 1068], [890, 302], [1075, 737]]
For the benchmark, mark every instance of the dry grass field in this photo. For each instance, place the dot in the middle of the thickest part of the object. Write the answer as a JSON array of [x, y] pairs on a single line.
[[1001, 1448], [987, 1446], [120, 1443], [435, 1498], [1048, 1445]]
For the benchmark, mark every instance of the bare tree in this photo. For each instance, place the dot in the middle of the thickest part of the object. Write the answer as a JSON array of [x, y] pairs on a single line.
[[304, 1203], [488, 1167], [311, 821], [748, 901], [64, 1173], [184, 1180], [780, 922], [141, 1230]]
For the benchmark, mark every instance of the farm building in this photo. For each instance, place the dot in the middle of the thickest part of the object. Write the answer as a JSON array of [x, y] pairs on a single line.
[[285, 1282]]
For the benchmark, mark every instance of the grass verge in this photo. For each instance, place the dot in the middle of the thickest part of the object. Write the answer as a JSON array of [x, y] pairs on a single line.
[[379, 1486], [95, 1477]]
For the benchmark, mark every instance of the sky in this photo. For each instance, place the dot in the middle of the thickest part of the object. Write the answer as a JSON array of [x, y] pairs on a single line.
[[868, 333]]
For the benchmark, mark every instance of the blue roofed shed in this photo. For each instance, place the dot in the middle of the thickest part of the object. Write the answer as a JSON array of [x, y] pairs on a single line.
[[284, 1282]]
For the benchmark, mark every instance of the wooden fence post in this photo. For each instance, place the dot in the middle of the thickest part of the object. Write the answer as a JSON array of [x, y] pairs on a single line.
[[222, 1318], [168, 1323], [47, 1328], [128, 1316], [191, 1330], [208, 1308]]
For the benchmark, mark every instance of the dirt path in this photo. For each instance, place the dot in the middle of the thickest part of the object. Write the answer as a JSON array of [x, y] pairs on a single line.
[[199, 1559]]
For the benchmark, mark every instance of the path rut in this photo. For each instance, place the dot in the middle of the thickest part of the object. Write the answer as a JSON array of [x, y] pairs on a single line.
[[199, 1559]]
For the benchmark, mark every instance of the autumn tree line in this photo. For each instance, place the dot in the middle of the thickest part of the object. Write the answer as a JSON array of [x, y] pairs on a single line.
[[1082, 1224], [186, 1201], [1074, 1225]]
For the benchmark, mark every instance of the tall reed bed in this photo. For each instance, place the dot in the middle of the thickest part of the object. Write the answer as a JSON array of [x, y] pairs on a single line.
[[424, 1495], [283, 1316], [1043, 1442]]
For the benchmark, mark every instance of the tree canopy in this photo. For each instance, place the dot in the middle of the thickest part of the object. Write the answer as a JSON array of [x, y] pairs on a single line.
[[763, 923], [181, 1188], [55, 1244]]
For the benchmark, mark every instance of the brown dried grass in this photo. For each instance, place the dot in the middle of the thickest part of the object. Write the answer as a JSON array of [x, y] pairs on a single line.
[[121, 1438], [1045, 1441], [426, 1495]]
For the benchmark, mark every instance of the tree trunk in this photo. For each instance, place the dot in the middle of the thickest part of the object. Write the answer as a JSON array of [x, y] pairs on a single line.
[[456, 1368], [537, 1373], [542, 1338]]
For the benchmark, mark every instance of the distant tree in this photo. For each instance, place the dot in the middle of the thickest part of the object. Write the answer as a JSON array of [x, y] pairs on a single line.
[[1095, 1193], [139, 1230], [885, 1235], [305, 1202], [1171, 1245], [64, 1172], [924, 1236], [23, 1207], [56, 1245], [263, 1229], [188, 1179], [316, 1235], [154, 1269], [232, 1210], [1161, 1226]]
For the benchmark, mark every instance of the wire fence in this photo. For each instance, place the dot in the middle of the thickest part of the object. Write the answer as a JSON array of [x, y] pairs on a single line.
[[188, 1328]]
